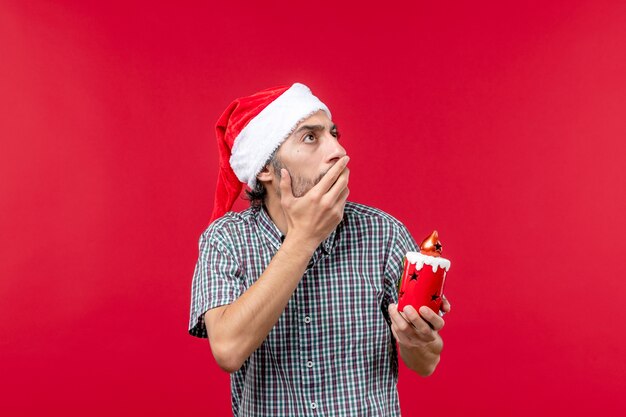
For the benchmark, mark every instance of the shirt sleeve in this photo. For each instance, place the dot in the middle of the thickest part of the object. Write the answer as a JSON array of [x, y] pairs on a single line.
[[401, 243], [217, 281]]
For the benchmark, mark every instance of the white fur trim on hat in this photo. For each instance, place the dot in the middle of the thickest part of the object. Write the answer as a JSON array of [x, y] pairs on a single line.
[[268, 130]]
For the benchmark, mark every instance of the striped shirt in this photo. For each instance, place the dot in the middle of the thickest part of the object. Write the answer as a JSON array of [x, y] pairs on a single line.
[[332, 352]]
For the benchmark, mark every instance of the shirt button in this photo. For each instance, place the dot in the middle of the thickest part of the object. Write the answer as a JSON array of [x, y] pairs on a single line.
[[307, 319], [313, 406], [309, 364]]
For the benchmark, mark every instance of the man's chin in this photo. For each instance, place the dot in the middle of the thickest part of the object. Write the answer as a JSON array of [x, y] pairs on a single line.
[[300, 187]]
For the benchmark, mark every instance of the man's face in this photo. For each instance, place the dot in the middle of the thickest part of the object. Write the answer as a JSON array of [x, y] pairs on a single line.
[[308, 153]]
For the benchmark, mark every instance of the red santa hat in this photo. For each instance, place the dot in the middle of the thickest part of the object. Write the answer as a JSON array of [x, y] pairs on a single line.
[[250, 130]]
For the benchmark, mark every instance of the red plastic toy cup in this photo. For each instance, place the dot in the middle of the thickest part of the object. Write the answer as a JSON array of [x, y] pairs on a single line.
[[423, 278]]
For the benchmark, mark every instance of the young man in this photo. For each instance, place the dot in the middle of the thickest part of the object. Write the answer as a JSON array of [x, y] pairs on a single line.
[[297, 294]]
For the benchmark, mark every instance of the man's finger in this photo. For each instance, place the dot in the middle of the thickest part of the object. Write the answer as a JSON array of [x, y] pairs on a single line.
[[445, 306], [343, 196], [436, 322], [338, 188], [285, 184], [397, 319], [410, 315], [331, 176]]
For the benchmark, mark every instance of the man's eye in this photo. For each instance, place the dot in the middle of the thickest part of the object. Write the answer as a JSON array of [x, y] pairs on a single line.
[[308, 138], [336, 134]]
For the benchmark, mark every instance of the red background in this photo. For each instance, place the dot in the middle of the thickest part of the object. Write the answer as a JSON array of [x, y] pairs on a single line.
[[500, 124]]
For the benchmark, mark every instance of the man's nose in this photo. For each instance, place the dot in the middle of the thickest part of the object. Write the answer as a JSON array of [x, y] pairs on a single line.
[[335, 150]]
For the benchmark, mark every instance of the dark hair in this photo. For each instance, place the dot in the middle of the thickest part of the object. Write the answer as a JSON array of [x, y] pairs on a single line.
[[258, 193]]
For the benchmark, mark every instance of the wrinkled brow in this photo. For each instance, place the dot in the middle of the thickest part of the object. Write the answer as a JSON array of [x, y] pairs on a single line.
[[314, 128]]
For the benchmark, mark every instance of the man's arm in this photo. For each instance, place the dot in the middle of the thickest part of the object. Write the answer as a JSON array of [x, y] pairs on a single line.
[[238, 329], [418, 336]]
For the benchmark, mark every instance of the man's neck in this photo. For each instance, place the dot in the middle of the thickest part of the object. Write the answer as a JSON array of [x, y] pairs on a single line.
[[275, 211]]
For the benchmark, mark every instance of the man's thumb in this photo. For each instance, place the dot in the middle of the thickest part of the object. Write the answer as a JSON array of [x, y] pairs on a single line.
[[285, 183]]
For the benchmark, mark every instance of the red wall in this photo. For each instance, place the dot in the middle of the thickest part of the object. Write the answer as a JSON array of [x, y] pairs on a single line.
[[500, 125]]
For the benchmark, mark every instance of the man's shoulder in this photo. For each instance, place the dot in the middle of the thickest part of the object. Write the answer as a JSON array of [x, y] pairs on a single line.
[[358, 212], [230, 224]]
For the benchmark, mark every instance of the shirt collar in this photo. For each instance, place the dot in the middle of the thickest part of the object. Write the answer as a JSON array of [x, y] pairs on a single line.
[[269, 230], [275, 238]]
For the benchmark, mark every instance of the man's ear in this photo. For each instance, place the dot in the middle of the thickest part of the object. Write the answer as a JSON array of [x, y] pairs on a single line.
[[266, 174]]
